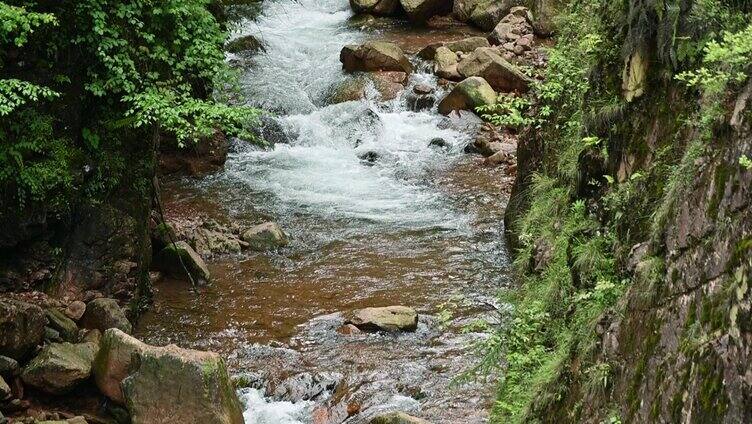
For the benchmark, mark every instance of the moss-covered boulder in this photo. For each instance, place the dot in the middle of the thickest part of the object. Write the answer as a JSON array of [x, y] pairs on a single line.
[[497, 71], [468, 95], [60, 367], [374, 56], [397, 418], [375, 7], [112, 364], [65, 326], [389, 318], [102, 314], [165, 384], [21, 328], [245, 44], [421, 10], [179, 260], [266, 236], [486, 14]]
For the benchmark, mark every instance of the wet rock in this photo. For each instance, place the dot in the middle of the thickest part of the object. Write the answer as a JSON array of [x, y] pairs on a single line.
[[497, 71], [440, 143], [179, 259], [375, 56], [21, 328], [361, 20], [422, 89], [60, 367], [376, 7], [369, 157], [467, 44], [75, 310], [152, 382], [245, 44], [468, 95], [446, 64], [421, 10], [306, 386], [271, 131], [419, 103], [429, 52], [266, 236], [103, 313], [397, 418], [389, 318], [65, 326], [8, 366]]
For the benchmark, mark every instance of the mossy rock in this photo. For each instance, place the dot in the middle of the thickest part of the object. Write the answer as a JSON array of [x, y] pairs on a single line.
[[247, 43], [60, 367], [179, 260], [468, 95], [65, 326]]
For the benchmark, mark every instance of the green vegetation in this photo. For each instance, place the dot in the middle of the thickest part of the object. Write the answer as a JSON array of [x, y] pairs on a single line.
[[574, 237], [89, 87]]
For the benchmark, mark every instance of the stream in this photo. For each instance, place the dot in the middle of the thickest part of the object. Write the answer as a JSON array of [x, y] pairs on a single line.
[[421, 227]]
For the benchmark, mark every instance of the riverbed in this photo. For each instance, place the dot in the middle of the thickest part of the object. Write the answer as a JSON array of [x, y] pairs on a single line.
[[421, 226]]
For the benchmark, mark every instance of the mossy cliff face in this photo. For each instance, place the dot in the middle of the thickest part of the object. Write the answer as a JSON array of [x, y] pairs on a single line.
[[632, 213], [677, 347]]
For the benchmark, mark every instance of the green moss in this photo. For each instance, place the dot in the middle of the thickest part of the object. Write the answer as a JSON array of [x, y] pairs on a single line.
[[720, 178]]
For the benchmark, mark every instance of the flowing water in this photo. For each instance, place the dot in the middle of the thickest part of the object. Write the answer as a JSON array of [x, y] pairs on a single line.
[[421, 226]]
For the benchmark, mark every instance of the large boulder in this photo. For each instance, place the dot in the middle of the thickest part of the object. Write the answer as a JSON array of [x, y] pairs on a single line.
[[397, 418], [468, 95], [179, 259], [421, 10], [60, 367], [389, 318], [165, 384], [112, 364], [500, 74], [374, 56], [65, 326], [486, 14], [266, 236], [102, 314], [21, 328], [375, 7]]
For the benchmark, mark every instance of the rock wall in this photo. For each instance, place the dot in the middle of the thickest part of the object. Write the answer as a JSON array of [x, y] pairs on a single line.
[[678, 349], [678, 344]]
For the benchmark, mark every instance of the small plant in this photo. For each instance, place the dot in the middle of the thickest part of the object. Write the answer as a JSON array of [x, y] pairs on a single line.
[[509, 111], [745, 162]]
